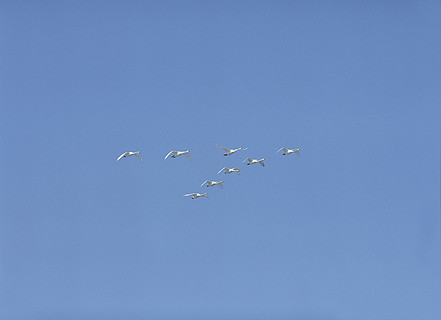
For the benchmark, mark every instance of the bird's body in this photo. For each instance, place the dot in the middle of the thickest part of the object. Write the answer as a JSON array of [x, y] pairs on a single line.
[[254, 161], [129, 154], [229, 170], [176, 154], [196, 195], [287, 151], [230, 151], [213, 183]]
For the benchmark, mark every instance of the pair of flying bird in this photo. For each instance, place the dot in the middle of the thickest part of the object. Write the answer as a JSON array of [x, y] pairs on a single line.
[[174, 154]]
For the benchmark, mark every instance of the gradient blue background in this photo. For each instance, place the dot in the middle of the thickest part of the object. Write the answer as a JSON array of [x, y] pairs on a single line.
[[350, 230]]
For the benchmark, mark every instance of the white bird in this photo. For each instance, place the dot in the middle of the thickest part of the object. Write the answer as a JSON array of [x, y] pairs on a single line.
[[196, 195], [228, 170], [230, 151], [213, 183], [289, 151], [254, 161], [129, 154], [179, 153]]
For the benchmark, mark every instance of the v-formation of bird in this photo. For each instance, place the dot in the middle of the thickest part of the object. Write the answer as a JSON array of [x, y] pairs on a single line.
[[209, 183]]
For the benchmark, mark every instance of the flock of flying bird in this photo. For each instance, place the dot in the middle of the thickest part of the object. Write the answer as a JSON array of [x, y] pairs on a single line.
[[209, 183]]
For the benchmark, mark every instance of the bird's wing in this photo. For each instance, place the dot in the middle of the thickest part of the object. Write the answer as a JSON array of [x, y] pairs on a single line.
[[247, 159], [121, 156], [190, 194], [168, 154], [261, 162], [225, 149], [221, 170], [282, 148], [297, 153], [139, 157], [204, 182], [221, 185], [188, 155]]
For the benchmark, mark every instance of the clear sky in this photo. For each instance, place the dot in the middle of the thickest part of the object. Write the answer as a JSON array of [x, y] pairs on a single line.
[[349, 230]]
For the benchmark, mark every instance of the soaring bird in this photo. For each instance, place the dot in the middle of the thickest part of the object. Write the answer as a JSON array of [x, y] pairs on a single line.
[[228, 170], [196, 195], [289, 151], [230, 151], [129, 154], [176, 154], [254, 161], [213, 183]]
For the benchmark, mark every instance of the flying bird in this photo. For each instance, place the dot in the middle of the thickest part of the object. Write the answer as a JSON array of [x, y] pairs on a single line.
[[230, 151], [254, 161], [129, 154], [196, 195], [289, 151], [228, 170], [213, 183], [176, 154]]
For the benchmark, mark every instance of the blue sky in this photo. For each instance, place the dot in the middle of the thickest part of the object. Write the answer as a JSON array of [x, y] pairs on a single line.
[[350, 230]]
